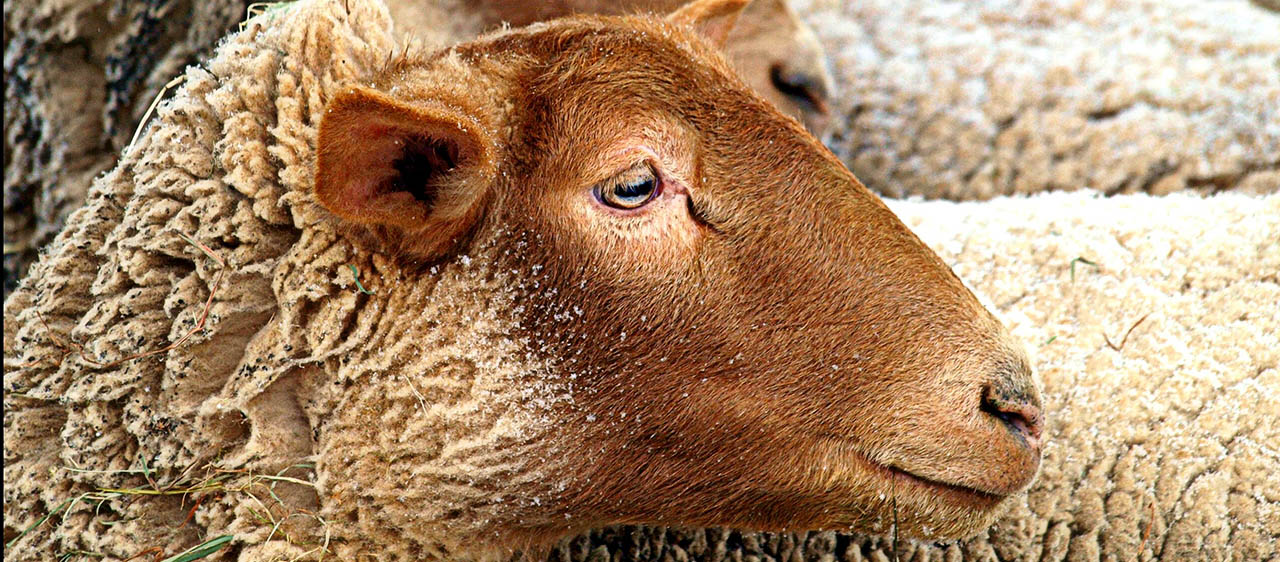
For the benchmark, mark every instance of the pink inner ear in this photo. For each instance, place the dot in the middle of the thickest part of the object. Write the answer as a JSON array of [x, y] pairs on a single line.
[[381, 163], [372, 166]]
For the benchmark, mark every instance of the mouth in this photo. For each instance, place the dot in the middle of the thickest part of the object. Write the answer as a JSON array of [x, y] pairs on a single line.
[[898, 475], [905, 482], [922, 506]]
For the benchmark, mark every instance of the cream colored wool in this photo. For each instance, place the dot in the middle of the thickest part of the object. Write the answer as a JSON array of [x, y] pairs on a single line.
[[969, 100], [78, 76], [1185, 413], [943, 99]]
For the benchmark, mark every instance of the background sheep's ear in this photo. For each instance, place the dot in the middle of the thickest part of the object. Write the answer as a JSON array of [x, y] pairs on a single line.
[[420, 169], [713, 19]]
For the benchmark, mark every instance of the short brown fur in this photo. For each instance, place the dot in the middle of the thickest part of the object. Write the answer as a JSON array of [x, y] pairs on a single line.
[[763, 345], [775, 52]]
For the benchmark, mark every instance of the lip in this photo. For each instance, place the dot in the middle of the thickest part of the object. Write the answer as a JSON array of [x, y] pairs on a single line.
[[951, 488], [957, 494]]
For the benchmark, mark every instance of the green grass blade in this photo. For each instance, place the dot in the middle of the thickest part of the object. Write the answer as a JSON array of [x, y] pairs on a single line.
[[38, 522], [201, 550]]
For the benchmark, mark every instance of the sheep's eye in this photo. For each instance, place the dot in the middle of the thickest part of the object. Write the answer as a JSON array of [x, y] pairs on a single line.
[[631, 189]]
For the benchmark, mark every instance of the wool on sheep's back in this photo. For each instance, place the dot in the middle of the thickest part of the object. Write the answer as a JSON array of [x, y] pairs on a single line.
[[1157, 323], [975, 99]]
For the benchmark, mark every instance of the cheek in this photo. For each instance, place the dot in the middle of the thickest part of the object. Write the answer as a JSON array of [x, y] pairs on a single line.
[[656, 241]]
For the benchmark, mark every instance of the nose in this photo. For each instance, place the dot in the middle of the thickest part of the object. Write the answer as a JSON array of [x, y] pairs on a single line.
[[805, 87], [1011, 399]]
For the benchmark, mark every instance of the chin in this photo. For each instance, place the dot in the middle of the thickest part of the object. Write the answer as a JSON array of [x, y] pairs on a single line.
[[864, 496], [910, 514]]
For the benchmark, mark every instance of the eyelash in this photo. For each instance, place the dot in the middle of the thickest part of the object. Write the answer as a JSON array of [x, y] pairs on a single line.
[[641, 175]]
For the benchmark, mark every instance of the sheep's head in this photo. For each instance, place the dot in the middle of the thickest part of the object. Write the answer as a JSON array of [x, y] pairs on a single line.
[[743, 334]]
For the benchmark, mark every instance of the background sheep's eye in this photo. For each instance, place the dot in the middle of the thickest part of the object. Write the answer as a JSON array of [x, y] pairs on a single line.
[[630, 189]]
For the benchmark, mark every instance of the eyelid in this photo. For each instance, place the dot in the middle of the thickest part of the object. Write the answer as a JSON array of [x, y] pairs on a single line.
[[645, 165], [637, 155], [643, 171], [633, 171]]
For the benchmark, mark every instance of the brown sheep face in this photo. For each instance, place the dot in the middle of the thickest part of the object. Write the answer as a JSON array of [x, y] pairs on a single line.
[[747, 336]]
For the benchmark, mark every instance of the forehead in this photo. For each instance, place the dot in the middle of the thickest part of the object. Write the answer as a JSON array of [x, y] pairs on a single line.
[[618, 62], [600, 83]]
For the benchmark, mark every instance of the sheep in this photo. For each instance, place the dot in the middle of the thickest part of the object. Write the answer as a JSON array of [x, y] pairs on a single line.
[[464, 303], [1154, 325], [81, 75], [1075, 274], [970, 100]]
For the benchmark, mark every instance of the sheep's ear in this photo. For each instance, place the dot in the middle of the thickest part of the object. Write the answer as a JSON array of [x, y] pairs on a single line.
[[713, 19], [419, 169]]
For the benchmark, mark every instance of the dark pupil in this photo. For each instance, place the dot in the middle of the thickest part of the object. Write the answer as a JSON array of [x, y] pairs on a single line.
[[634, 192]]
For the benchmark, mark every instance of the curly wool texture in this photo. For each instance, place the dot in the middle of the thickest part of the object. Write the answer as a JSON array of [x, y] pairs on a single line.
[[229, 163], [974, 99], [282, 409], [78, 77], [1170, 432], [943, 99]]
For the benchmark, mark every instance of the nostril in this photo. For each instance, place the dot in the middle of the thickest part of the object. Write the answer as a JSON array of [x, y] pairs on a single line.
[[803, 88], [1016, 411]]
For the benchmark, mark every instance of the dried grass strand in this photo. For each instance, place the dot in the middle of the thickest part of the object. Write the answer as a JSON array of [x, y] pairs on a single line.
[[1126, 334]]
